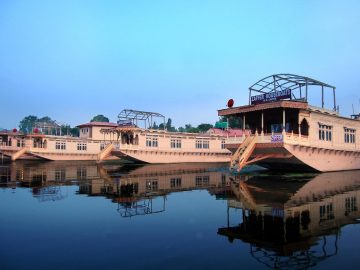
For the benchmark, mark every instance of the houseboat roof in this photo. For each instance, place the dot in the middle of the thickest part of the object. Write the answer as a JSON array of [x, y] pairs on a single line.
[[282, 91], [278, 82], [132, 128], [98, 124], [264, 106]]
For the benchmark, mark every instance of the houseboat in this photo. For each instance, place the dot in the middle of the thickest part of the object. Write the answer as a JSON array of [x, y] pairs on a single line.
[[100, 141], [161, 146], [41, 144], [287, 133]]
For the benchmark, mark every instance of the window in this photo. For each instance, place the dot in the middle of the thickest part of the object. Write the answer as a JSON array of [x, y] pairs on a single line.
[[152, 141], [60, 174], [349, 135], [20, 143], [60, 145], [223, 144], [326, 212], [81, 146], [350, 205], [175, 143], [202, 180], [175, 182], [102, 146], [325, 132], [202, 144], [81, 173], [206, 144], [223, 180], [151, 185]]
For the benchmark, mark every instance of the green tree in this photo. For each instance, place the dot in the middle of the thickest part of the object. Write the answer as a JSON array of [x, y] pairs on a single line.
[[234, 121], [169, 126], [100, 118], [193, 130], [188, 127], [46, 119], [68, 130], [26, 125], [75, 132], [204, 127], [155, 126]]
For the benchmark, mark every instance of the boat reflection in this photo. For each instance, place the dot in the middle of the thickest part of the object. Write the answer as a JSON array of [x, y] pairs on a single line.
[[288, 221], [293, 223], [137, 189], [142, 190]]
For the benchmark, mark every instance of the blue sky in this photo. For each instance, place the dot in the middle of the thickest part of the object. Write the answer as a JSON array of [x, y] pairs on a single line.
[[71, 60]]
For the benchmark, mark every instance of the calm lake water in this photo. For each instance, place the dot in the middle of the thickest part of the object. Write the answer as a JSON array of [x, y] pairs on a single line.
[[183, 216]]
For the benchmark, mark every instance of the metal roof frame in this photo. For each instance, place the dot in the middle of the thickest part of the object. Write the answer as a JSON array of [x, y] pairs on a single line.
[[134, 116], [296, 83]]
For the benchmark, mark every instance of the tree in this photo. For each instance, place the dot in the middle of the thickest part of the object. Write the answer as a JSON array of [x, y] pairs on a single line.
[[100, 118], [75, 132], [204, 127], [191, 129], [187, 127], [234, 122], [155, 126], [46, 119], [168, 125], [26, 125]]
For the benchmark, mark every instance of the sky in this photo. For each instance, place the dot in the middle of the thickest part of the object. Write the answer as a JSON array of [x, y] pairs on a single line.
[[72, 60]]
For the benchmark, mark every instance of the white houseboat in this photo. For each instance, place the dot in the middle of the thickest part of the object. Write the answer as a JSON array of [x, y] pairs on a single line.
[[41, 145], [290, 134], [161, 146]]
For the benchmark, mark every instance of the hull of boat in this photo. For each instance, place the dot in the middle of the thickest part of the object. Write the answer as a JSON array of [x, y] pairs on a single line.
[[158, 157], [288, 157]]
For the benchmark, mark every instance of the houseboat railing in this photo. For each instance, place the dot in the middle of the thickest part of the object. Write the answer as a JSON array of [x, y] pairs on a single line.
[[290, 138], [9, 147]]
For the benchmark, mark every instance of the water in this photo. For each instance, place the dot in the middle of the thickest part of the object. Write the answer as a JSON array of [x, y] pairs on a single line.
[[195, 216]]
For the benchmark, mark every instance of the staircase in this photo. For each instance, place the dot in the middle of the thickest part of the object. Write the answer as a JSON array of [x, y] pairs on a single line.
[[105, 152], [242, 154], [18, 154]]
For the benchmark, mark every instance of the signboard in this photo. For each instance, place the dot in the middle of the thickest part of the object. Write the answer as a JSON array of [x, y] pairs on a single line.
[[276, 138], [272, 96]]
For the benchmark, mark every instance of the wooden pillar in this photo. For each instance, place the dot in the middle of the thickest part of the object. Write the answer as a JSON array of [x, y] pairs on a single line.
[[244, 125], [262, 122], [283, 120], [334, 99]]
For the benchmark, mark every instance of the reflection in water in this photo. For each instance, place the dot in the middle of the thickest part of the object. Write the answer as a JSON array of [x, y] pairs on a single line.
[[288, 221], [138, 190], [293, 223]]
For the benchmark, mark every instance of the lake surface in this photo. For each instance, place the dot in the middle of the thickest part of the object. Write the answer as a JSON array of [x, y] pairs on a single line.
[[80, 215]]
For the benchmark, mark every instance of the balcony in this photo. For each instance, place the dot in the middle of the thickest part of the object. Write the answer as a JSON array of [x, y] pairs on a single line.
[[288, 138]]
